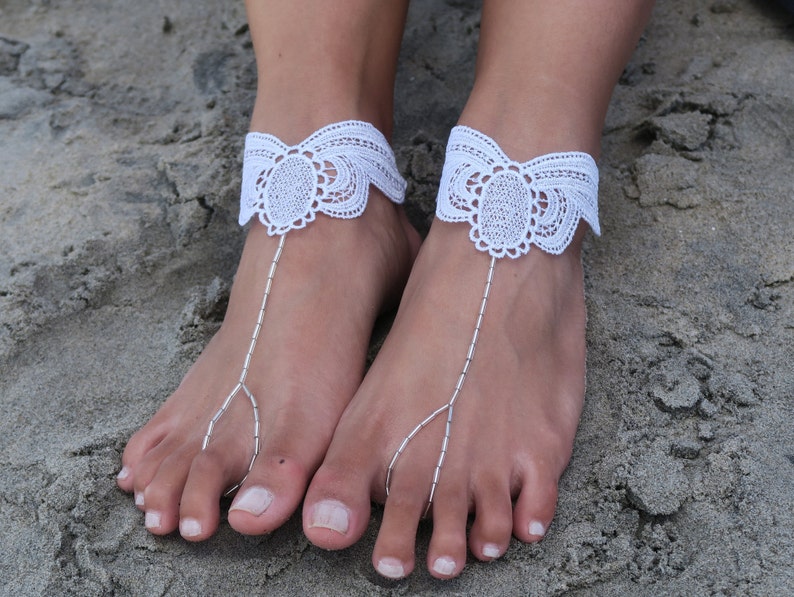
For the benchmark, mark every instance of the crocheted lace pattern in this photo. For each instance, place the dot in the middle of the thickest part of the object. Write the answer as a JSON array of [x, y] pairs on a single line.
[[330, 172], [510, 205]]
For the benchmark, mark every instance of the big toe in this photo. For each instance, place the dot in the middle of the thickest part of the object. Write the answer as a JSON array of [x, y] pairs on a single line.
[[337, 506], [270, 494]]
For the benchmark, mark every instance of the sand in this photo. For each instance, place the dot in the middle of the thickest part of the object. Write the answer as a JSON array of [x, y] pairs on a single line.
[[121, 127]]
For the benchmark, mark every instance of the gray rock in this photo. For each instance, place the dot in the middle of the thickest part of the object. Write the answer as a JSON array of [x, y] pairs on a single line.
[[733, 387], [673, 387], [708, 409], [669, 180], [706, 431], [10, 51], [678, 394], [724, 6], [657, 484], [685, 448], [15, 100], [684, 131]]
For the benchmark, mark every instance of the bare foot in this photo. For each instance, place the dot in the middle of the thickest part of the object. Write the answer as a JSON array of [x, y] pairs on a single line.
[[514, 422], [333, 279]]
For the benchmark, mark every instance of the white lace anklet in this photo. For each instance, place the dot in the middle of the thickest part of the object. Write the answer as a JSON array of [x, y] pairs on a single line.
[[330, 172], [510, 206], [286, 186]]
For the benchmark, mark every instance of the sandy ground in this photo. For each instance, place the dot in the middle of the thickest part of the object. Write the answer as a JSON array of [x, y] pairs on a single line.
[[121, 125]]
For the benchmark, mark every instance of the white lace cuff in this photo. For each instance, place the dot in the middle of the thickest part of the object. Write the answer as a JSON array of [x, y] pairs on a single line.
[[511, 206], [330, 172]]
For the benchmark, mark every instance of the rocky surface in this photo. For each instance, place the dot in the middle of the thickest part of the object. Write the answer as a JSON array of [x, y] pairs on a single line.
[[121, 127]]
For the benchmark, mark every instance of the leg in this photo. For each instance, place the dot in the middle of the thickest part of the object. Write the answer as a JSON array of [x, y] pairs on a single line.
[[316, 65], [545, 73]]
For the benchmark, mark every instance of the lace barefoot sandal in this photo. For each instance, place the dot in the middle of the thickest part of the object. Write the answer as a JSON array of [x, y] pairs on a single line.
[[510, 206], [286, 186]]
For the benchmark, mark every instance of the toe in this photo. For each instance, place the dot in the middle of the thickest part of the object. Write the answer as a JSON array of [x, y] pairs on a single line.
[[534, 510], [394, 553], [161, 496], [337, 506], [277, 483], [124, 478], [170, 454], [270, 495], [490, 533], [212, 471], [446, 555], [136, 451]]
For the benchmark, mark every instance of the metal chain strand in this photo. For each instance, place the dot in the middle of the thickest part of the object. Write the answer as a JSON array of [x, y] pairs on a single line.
[[241, 386], [449, 406], [330, 172]]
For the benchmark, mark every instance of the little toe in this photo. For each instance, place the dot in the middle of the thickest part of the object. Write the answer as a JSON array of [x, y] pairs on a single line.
[[270, 494], [137, 449], [534, 510], [490, 533], [125, 478]]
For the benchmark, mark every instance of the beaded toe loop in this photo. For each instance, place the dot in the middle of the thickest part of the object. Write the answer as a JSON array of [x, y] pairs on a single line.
[[285, 186], [510, 207]]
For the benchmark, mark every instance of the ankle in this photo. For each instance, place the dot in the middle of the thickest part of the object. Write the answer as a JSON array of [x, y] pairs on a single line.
[[292, 116], [324, 62], [549, 123]]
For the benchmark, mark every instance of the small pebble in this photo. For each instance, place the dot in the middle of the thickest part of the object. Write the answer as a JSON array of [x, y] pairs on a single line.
[[705, 431], [685, 448]]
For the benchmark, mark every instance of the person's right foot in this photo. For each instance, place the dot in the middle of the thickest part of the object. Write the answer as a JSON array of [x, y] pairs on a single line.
[[333, 279]]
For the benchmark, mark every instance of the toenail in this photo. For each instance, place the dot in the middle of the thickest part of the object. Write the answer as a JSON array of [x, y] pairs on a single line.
[[537, 528], [254, 500], [491, 550], [152, 520], [189, 527], [139, 498], [123, 473], [444, 566], [391, 568], [330, 514]]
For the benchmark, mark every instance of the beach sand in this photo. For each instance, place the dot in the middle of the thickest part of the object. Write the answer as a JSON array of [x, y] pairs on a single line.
[[121, 129]]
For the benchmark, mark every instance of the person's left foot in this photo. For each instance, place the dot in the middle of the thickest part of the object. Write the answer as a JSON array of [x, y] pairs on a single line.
[[514, 422]]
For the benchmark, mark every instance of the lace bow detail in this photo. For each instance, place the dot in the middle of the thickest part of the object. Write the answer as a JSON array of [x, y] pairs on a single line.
[[330, 172], [511, 206]]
